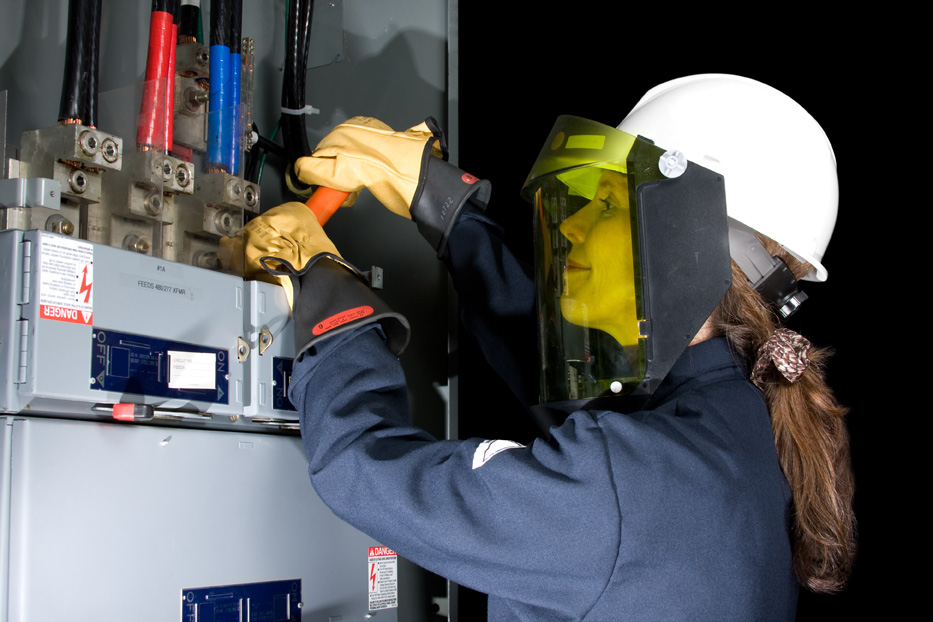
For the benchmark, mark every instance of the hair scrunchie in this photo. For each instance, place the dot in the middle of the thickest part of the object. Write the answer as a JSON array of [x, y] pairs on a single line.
[[789, 352]]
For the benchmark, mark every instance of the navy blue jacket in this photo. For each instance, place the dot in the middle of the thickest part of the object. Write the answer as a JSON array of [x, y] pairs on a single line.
[[677, 512]]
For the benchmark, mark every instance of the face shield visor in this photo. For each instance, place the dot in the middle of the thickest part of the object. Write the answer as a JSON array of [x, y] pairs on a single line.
[[632, 256]]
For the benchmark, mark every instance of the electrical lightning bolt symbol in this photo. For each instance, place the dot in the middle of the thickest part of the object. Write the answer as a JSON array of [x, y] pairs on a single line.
[[372, 575], [85, 286]]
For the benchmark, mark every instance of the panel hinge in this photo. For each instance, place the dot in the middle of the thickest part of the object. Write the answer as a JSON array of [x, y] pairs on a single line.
[[23, 351], [26, 292]]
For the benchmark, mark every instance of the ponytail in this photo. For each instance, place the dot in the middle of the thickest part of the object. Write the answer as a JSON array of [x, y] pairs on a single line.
[[809, 433]]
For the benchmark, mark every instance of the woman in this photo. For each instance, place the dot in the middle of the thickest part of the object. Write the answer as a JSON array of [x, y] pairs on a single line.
[[661, 495]]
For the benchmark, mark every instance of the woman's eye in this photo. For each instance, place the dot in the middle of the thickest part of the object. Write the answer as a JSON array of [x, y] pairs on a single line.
[[607, 206]]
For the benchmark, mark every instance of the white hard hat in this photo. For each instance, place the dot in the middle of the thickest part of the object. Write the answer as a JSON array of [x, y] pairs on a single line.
[[778, 165]]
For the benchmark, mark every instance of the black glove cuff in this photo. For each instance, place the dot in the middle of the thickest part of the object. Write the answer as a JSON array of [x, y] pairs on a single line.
[[442, 192], [332, 296]]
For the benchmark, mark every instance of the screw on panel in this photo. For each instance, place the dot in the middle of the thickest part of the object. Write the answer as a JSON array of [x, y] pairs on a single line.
[[234, 190], [224, 222], [109, 150], [136, 244], [78, 181], [153, 203], [194, 98], [251, 196], [182, 175], [57, 223], [89, 142], [208, 260]]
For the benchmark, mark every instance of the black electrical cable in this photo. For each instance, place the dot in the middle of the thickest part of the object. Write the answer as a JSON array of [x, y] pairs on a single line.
[[74, 81], [251, 170], [252, 163], [220, 23], [293, 44], [262, 146], [298, 33], [307, 15], [270, 147], [89, 113], [236, 26], [188, 16]]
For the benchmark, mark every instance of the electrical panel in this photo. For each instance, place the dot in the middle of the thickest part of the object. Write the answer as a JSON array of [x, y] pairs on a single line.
[[150, 463], [92, 327]]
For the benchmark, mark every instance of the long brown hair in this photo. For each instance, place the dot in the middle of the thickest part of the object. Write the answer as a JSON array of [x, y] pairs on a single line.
[[809, 432]]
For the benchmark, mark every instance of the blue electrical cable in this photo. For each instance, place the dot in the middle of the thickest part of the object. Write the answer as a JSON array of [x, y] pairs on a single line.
[[236, 131], [218, 131]]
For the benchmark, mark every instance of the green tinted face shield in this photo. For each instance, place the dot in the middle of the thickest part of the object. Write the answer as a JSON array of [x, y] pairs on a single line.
[[632, 256]]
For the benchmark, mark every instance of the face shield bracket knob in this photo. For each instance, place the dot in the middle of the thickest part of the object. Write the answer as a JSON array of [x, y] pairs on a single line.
[[672, 163]]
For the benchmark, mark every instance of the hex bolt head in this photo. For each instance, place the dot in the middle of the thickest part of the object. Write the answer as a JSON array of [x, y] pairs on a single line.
[[251, 195], [109, 150], [224, 222], [182, 175], [153, 203], [89, 142], [136, 244], [78, 181]]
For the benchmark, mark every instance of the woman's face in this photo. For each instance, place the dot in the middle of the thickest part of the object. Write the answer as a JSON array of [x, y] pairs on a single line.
[[598, 278]]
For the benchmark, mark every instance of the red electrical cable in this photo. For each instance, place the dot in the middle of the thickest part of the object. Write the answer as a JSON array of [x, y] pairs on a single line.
[[170, 87], [152, 123]]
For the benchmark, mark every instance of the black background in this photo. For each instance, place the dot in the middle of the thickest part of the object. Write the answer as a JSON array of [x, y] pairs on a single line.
[[521, 68]]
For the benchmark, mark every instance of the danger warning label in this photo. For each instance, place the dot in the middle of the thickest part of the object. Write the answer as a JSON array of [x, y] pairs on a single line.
[[66, 279], [383, 578]]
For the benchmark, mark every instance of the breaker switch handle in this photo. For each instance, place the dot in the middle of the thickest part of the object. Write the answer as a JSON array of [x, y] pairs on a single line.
[[127, 412]]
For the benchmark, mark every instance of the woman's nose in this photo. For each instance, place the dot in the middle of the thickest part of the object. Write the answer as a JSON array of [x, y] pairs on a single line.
[[574, 227]]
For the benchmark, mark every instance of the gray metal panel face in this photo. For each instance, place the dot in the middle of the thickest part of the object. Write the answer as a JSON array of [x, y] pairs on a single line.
[[135, 294], [110, 522], [389, 63], [268, 319], [11, 272], [214, 310], [6, 456]]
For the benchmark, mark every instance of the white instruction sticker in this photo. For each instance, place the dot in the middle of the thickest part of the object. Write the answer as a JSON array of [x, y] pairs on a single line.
[[66, 279], [383, 578], [191, 370]]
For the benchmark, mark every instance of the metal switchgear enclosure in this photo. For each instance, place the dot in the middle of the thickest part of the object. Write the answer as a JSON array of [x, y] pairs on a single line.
[[109, 521]]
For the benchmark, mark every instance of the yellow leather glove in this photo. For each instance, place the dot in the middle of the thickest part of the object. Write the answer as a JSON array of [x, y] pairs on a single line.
[[289, 231], [366, 153]]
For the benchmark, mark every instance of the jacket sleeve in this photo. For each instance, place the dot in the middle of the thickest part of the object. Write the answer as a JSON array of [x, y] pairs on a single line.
[[497, 299], [495, 516]]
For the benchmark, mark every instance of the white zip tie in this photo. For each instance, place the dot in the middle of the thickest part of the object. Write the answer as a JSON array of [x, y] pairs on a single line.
[[309, 109]]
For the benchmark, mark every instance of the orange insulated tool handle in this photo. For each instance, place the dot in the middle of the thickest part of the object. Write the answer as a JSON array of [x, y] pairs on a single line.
[[325, 201]]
